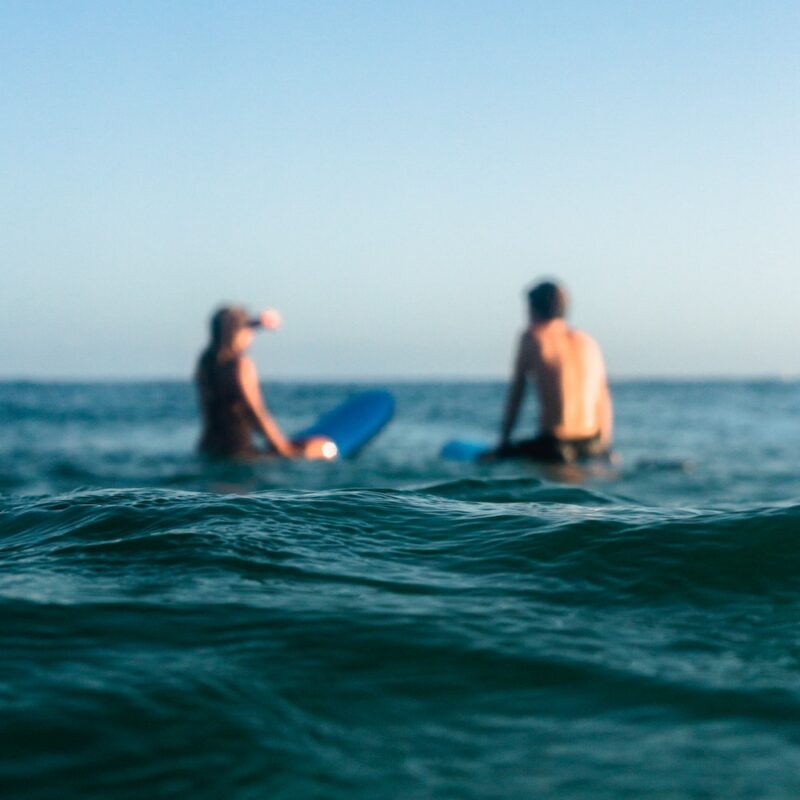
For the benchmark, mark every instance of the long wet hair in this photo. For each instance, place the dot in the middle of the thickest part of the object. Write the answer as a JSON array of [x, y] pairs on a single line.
[[226, 322]]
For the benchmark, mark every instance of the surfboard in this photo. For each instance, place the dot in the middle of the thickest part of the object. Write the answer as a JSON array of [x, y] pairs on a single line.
[[354, 423], [464, 450]]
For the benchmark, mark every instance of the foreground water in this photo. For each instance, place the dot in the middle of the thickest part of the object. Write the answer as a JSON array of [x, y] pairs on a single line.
[[399, 626]]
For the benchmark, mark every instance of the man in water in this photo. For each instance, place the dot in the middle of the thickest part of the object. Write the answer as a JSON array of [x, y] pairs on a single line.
[[567, 369]]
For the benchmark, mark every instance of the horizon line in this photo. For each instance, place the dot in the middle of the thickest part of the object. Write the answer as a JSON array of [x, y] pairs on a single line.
[[422, 378]]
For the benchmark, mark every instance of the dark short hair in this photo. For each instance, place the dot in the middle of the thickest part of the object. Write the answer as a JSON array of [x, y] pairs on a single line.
[[547, 300]]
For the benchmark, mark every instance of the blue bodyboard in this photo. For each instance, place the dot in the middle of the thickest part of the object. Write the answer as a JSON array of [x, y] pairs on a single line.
[[460, 450], [353, 423]]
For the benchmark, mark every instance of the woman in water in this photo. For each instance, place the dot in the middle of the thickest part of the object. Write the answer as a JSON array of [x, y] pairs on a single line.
[[230, 398]]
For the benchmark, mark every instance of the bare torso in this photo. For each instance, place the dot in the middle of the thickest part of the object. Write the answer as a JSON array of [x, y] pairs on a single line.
[[566, 367]]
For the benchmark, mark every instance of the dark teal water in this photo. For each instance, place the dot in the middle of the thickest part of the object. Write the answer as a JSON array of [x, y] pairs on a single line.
[[399, 627]]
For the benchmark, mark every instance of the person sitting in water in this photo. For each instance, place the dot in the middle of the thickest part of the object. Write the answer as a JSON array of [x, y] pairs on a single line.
[[230, 398], [567, 369]]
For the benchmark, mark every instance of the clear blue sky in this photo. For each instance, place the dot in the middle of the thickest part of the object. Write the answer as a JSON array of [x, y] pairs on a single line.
[[391, 176]]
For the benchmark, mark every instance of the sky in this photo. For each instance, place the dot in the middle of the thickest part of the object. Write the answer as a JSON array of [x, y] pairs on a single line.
[[392, 176]]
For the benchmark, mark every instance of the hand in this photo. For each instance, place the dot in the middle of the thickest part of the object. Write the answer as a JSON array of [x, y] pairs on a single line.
[[317, 448], [270, 319], [489, 457]]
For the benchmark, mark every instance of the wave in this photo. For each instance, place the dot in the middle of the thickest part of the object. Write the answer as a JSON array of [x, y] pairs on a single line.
[[463, 533], [377, 642]]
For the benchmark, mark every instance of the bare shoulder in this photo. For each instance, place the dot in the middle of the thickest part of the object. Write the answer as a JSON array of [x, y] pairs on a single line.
[[590, 349], [245, 368], [584, 340]]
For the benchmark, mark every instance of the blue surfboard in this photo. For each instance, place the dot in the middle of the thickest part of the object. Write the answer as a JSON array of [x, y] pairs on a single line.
[[353, 423], [464, 450]]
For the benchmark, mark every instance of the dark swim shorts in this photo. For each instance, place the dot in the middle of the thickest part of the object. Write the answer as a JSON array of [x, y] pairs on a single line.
[[547, 448]]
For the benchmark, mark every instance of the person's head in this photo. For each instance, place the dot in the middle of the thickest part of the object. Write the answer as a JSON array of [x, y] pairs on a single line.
[[546, 301], [231, 331]]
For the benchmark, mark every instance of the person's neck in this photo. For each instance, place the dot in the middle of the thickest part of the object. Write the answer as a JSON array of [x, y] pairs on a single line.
[[549, 325]]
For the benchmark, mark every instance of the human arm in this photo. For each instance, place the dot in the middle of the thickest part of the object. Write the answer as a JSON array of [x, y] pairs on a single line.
[[251, 392], [516, 391]]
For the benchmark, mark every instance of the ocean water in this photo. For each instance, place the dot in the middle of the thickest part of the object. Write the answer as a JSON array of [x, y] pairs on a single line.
[[398, 626]]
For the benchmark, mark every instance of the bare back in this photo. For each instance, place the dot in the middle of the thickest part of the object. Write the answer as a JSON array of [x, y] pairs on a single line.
[[566, 366]]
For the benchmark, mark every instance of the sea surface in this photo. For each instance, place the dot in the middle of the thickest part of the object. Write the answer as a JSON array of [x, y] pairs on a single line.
[[399, 626]]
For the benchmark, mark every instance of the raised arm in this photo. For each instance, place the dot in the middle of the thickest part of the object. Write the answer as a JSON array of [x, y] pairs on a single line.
[[248, 383], [516, 390]]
